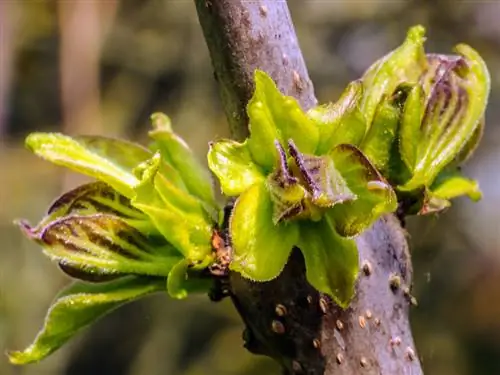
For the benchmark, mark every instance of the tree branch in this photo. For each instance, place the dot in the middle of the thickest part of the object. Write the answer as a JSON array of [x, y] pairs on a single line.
[[286, 318]]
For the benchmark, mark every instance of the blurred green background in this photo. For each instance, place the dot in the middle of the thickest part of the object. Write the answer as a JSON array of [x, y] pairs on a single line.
[[102, 66]]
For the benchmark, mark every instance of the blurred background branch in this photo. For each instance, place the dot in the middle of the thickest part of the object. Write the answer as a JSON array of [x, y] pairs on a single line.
[[150, 55]]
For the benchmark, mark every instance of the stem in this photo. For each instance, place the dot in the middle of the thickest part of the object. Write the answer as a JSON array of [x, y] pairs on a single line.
[[286, 318]]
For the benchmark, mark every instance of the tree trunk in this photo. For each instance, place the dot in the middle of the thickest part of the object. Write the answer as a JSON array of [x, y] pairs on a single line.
[[286, 318]]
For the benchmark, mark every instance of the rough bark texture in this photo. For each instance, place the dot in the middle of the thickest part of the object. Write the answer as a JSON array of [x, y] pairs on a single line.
[[286, 318]]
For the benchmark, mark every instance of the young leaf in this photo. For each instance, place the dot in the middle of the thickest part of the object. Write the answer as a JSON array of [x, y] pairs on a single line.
[[457, 88], [261, 249], [331, 261], [404, 64], [322, 179], [77, 307], [275, 116], [409, 132], [106, 159], [287, 195], [375, 195], [450, 184], [341, 122], [181, 282], [232, 163], [177, 153], [179, 217], [377, 145], [103, 244]]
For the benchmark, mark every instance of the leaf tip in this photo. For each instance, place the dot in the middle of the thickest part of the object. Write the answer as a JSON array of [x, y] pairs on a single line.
[[161, 122]]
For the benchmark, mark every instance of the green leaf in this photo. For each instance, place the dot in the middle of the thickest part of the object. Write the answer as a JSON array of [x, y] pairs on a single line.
[[471, 145], [232, 163], [106, 159], [177, 153], [103, 244], [181, 282], [409, 133], [260, 248], [275, 116], [377, 145], [451, 184], [93, 198], [179, 217], [77, 307], [331, 261], [375, 195], [342, 121], [404, 64], [457, 89]]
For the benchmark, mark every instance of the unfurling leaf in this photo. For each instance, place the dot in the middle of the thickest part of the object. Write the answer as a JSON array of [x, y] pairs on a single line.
[[403, 65], [275, 116], [103, 245], [324, 182], [180, 281], [331, 261], [178, 216], [287, 195], [378, 142], [77, 307], [106, 159], [261, 248], [375, 195], [450, 184], [177, 153], [342, 121], [456, 89], [232, 163]]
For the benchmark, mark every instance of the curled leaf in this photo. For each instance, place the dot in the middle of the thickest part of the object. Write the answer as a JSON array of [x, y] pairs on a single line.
[[178, 216], [375, 195], [232, 163], [342, 121], [77, 307], [177, 153], [275, 116], [322, 179], [457, 89], [404, 64], [287, 195], [260, 248], [102, 244]]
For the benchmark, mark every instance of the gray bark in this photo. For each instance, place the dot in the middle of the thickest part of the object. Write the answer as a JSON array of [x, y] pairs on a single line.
[[286, 318]]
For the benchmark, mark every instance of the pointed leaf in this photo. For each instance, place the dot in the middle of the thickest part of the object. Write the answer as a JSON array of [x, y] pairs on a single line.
[[103, 244], [106, 159], [340, 122], [451, 184], [404, 64], [77, 307], [275, 116], [375, 195], [331, 261], [261, 249], [177, 153], [232, 163]]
